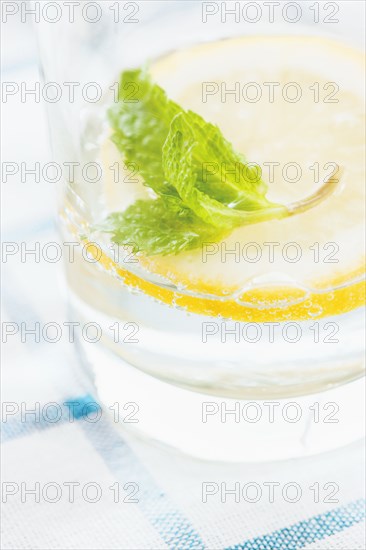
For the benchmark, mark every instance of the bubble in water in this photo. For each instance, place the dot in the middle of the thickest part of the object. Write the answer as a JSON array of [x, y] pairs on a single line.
[[134, 290], [315, 310]]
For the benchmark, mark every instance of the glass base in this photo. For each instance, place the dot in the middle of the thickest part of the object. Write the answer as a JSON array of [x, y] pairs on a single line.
[[220, 429]]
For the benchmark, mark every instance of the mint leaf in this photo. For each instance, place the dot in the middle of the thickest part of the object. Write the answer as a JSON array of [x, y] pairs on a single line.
[[160, 226], [140, 122], [181, 157], [222, 172], [190, 140]]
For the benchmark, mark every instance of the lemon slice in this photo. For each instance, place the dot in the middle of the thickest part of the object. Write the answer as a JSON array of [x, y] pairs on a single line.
[[306, 266]]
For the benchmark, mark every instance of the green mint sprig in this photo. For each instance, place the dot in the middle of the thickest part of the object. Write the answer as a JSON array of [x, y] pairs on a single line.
[[173, 149]]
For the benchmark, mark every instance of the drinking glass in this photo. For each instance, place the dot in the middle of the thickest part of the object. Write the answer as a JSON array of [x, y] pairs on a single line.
[[248, 347]]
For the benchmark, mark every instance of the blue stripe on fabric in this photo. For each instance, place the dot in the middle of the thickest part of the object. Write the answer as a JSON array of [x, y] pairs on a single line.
[[47, 416], [173, 527], [27, 233], [308, 531], [20, 66]]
